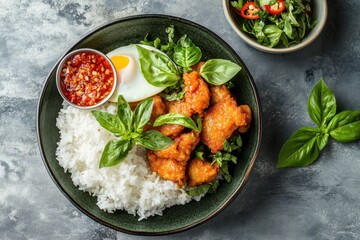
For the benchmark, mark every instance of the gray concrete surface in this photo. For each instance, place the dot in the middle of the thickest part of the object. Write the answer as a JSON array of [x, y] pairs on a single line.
[[318, 202]]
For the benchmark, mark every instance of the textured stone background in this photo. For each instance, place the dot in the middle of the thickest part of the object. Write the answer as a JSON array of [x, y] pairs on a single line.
[[318, 202]]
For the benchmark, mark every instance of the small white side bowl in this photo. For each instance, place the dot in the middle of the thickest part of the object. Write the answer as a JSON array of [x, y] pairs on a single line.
[[320, 12]]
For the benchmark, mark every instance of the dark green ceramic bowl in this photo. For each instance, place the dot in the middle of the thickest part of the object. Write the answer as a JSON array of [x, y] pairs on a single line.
[[177, 218]]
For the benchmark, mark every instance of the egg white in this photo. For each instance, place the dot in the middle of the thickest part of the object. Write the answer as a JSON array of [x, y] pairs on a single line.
[[131, 83]]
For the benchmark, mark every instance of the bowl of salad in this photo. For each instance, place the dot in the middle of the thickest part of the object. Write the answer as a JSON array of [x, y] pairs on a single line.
[[277, 26]]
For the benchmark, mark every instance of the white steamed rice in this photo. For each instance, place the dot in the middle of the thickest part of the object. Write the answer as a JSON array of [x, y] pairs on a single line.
[[129, 186]]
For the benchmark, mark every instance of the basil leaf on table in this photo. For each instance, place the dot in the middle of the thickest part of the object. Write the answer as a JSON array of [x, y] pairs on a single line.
[[153, 140], [176, 118], [158, 69], [304, 145], [219, 71], [114, 152], [345, 126], [124, 113], [142, 114], [109, 121], [301, 149], [186, 54], [321, 104]]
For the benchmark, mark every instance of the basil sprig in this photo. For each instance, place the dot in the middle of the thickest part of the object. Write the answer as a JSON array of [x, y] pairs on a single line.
[[177, 118], [304, 146], [128, 126], [160, 70], [186, 54]]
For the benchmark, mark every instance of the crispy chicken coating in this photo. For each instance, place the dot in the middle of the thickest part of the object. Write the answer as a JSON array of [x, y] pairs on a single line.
[[168, 169], [221, 121], [245, 109], [182, 147], [196, 100], [218, 93], [197, 93], [174, 130], [200, 172]]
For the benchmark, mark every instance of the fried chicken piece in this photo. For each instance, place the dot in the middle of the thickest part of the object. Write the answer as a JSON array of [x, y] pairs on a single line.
[[245, 109], [221, 121], [182, 147], [197, 93], [200, 172], [168, 169], [196, 100], [174, 130], [218, 93]]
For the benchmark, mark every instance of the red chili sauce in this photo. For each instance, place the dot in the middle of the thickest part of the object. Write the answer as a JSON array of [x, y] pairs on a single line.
[[86, 79]]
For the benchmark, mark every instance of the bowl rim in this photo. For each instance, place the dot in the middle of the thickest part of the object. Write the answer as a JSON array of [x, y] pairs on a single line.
[[251, 162], [250, 41], [60, 67]]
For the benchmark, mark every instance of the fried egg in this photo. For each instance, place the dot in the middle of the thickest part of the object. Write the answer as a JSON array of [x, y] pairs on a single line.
[[132, 85]]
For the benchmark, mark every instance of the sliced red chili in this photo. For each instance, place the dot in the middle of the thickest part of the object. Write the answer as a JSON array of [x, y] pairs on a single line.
[[249, 11], [276, 8]]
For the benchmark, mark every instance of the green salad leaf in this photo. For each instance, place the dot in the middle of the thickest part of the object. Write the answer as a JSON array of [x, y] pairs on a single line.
[[286, 28]]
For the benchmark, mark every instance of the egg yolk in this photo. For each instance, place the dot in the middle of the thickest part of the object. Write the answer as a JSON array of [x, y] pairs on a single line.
[[120, 62]]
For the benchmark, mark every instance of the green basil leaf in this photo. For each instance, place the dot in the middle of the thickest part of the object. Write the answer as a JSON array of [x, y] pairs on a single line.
[[288, 30], [186, 53], [109, 121], [237, 4], [322, 140], [258, 31], [203, 189], [142, 114], [115, 152], [175, 92], [224, 171], [171, 34], [125, 114], [198, 190], [176, 118], [321, 104], [273, 33], [157, 68], [301, 149], [153, 140], [219, 71], [345, 126]]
